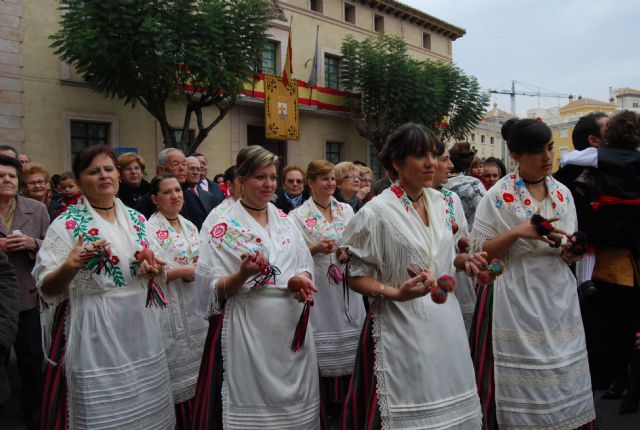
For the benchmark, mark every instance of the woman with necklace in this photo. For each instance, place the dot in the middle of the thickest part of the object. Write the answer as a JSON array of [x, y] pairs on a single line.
[[107, 366], [527, 338], [337, 315], [260, 268], [184, 327], [413, 368]]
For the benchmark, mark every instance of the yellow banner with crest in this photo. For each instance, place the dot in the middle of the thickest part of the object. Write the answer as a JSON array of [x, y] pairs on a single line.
[[281, 114]]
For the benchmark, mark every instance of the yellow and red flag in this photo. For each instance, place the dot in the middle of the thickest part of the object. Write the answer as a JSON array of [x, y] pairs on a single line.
[[287, 71]]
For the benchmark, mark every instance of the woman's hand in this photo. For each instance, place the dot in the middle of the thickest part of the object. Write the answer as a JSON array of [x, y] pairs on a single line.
[[189, 272], [526, 230], [418, 286], [342, 255], [302, 288], [251, 264], [569, 256], [18, 241], [75, 260], [325, 246], [472, 264], [150, 269]]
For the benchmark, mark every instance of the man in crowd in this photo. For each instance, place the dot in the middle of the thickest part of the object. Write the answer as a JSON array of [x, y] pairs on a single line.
[[24, 159], [490, 174], [217, 195]]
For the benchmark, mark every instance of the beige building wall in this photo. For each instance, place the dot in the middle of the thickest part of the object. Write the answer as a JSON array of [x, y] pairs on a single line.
[[54, 94]]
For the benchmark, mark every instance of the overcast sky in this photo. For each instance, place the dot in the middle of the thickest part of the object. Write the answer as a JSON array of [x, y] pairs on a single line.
[[579, 47]]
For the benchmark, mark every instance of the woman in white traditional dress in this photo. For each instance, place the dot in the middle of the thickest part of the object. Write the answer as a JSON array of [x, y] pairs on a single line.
[[260, 267], [185, 328], [114, 357], [457, 221], [338, 314], [413, 369], [527, 338]]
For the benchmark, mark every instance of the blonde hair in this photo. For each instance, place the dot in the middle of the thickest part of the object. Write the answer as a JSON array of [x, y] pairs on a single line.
[[476, 162], [290, 168], [364, 170], [129, 157], [343, 169], [34, 169], [317, 168], [252, 158]]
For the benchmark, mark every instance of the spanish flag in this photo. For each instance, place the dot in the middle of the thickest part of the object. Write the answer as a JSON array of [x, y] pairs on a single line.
[[287, 71]]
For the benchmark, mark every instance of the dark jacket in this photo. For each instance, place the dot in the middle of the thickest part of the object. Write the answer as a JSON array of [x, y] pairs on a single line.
[[32, 219], [212, 198], [9, 291], [283, 204], [131, 196], [355, 203], [579, 180]]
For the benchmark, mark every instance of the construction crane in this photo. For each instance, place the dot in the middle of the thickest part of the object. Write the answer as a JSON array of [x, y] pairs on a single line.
[[513, 93]]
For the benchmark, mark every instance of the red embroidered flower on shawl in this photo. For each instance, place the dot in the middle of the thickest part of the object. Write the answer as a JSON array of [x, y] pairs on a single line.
[[218, 230], [93, 232], [162, 234], [397, 191], [527, 202], [311, 222], [144, 244], [560, 196], [553, 205], [141, 218], [507, 197], [136, 228], [114, 259], [71, 224]]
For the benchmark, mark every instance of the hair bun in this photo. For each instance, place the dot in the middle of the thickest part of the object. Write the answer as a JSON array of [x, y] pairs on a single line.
[[507, 127]]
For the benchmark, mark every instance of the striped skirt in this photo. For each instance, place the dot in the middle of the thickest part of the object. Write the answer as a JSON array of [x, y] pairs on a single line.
[[206, 412], [184, 414], [360, 410], [53, 398], [482, 354]]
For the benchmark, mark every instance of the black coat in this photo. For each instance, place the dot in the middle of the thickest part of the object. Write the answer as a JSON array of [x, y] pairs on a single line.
[[8, 317], [192, 209], [355, 203], [131, 196], [283, 204]]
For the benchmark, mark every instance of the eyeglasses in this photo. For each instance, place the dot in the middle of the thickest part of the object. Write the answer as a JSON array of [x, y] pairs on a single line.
[[34, 183], [352, 177], [293, 181]]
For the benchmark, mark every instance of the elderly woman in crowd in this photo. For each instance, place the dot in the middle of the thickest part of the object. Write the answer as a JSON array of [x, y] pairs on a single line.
[[35, 183], [293, 193], [337, 315], [24, 225], [348, 185], [366, 180], [260, 267], [184, 327], [527, 338], [413, 368], [133, 186], [108, 367]]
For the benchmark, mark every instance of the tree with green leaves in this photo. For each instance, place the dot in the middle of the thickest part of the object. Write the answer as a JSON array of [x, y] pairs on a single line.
[[196, 52], [395, 88]]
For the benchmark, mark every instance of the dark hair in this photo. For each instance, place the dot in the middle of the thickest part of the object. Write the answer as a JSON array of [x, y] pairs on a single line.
[[623, 130], [408, 139], [525, 136], [64, 176], [4, 147], [438, 148], [154, 186], [498, 163], [11, 162], [461, 156], [55, 180], [85, 157], [230, 174], [586, 126], [360, 163], [219, 175]]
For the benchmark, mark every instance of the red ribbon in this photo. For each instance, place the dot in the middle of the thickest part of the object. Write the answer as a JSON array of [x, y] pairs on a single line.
[[604, 199]]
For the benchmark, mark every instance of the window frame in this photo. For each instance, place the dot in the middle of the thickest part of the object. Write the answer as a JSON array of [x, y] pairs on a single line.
[[340, 145], [330, 56], [317, 9], [426, 40], [377, 17], [351, 6], [68, 117], [276, 48]]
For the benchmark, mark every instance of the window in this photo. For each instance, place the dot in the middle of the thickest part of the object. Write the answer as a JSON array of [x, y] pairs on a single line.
[[331, 72], [84, 134], [374, 162], [482, 138], [177, 132], [269, 56], [333, 152], [491, 140], [426, 41], [635, 104], [378, 23], [315, 5], [349, 13], [473, 137]]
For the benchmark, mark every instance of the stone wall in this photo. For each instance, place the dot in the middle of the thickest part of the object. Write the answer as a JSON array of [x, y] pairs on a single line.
[[11, 85]]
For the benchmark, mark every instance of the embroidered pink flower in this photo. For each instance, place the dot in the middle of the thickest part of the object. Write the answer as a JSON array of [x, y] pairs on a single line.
[[141, 218], [311, 222], [258, 240], [93, 232], [71, 224], [162, 234], [144, 244], [218, 230], [507, 197], [513, 176], [397, 191], [281, 213], [114, 259], [527, 202], [553, 205], [136, 228], [560, 196]]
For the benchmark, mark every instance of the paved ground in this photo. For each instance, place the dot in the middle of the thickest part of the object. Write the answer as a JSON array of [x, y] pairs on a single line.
[[607, 411]]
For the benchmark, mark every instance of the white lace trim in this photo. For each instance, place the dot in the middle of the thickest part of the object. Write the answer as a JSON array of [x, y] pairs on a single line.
[[568, 424], [541, 337], [539, 381], [513, 405], [378, 367]]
